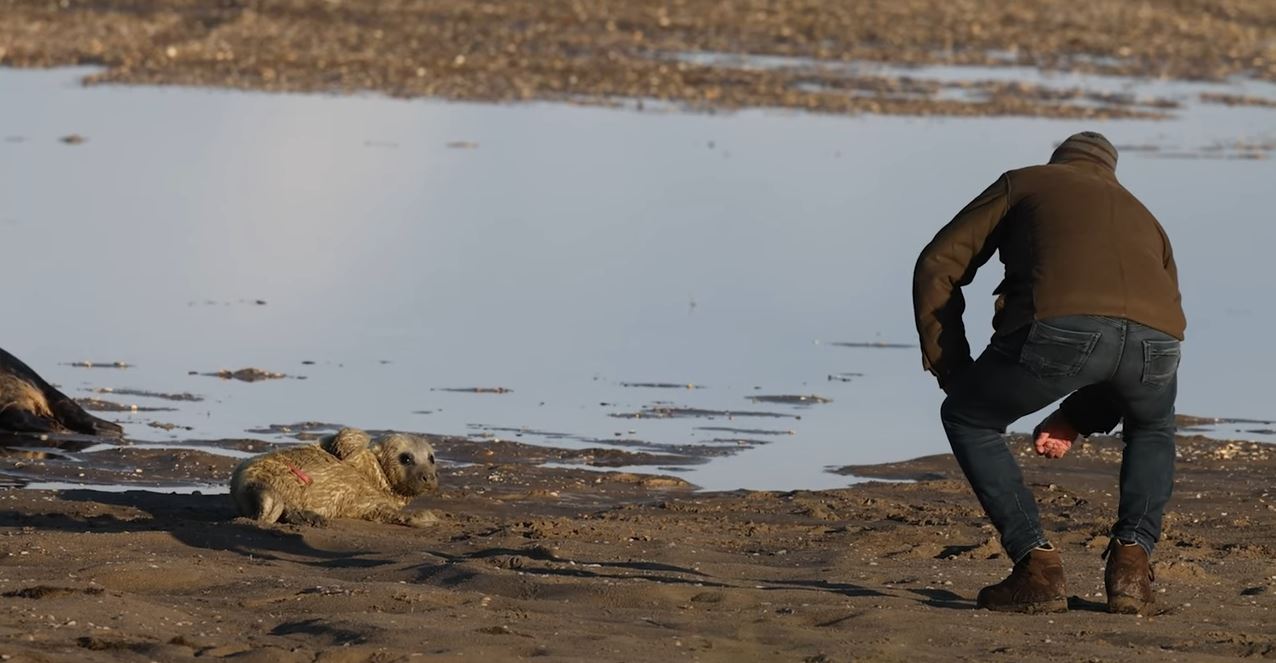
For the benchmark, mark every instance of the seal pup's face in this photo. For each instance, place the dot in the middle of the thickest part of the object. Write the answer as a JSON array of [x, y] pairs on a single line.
[[408, 463]]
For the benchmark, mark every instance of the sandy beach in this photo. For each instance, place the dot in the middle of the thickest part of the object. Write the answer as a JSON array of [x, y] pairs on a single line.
[[552, 553], [572, 565]]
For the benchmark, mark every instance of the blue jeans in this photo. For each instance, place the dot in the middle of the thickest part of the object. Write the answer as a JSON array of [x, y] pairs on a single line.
[[1135, 367]]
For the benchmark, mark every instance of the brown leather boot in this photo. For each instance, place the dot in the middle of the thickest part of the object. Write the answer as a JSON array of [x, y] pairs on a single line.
[[1035, 585], [1128, 578]]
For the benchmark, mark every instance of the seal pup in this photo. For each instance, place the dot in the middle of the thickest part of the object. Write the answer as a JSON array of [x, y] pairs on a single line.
[[346, 475], [28, 404]]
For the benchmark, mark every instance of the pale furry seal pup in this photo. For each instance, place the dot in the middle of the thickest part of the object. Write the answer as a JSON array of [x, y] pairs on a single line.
[[346, 475], [28, 404]]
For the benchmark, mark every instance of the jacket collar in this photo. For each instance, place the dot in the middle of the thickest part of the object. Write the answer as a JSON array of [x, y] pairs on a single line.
[[1087, 164]]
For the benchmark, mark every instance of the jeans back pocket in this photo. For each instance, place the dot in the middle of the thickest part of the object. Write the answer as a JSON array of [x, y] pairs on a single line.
[[1160, 361], [1051, 352]]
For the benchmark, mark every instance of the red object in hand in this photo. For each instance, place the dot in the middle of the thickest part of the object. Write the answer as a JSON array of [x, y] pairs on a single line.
[[1054, 437]]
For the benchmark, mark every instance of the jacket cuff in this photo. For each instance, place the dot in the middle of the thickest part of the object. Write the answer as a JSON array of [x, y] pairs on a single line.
[[949, 371]]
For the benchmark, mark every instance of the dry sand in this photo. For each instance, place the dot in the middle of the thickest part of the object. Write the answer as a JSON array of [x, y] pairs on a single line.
[[573, 565]]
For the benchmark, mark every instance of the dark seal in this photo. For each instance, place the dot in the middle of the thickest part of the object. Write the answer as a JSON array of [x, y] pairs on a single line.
[[28, 404]]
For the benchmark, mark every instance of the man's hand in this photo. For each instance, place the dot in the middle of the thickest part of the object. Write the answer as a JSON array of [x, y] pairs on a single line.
[[1054, 436]]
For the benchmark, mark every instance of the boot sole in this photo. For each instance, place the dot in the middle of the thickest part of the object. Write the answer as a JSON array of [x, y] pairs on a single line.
[[1057, 605], [1127, 605]]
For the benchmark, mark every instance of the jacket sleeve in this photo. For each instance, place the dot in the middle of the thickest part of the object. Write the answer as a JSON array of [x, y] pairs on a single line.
[[1171, 267], [947, 264], [1091, 410]]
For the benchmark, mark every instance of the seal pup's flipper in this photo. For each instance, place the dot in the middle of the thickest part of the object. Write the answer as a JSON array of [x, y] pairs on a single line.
[[303, 517], [20, 420], [418, 519], [258, 501]]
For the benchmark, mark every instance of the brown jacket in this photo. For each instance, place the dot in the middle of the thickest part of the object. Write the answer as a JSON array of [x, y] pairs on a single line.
[[1073, 241]]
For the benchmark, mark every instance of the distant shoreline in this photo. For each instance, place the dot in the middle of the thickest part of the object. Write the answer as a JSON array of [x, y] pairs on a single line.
[[695, 54]]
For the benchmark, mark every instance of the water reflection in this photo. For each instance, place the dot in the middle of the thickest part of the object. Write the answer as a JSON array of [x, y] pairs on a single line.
[[565, 253]]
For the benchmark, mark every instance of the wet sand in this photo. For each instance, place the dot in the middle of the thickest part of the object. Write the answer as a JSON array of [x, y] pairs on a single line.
[[609, 51], [575, 565]]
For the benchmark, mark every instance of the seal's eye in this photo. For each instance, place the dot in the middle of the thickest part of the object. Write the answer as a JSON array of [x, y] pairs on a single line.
[[406, 459], [431, 459]]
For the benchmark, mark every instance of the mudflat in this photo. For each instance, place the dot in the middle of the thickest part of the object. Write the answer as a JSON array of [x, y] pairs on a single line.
[[576, 565], [687, 53]]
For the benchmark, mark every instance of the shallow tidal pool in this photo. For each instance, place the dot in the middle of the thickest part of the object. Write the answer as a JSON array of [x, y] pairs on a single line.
[[543, 272]]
